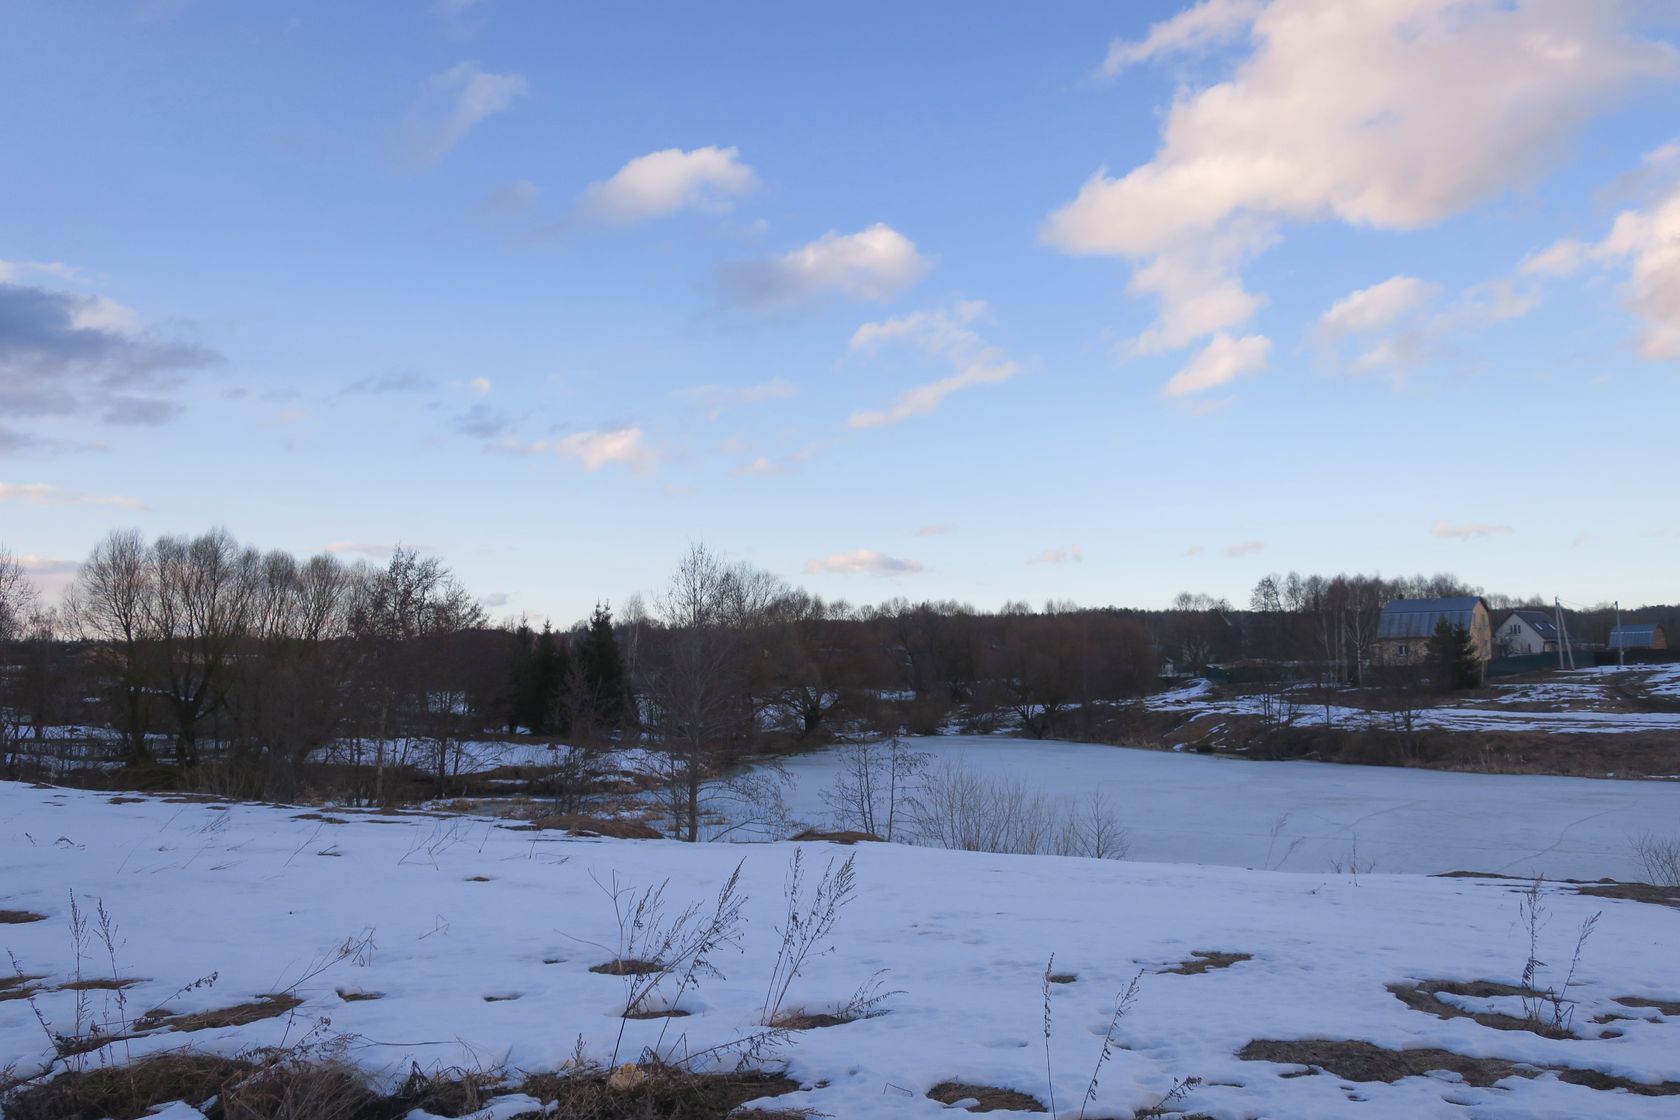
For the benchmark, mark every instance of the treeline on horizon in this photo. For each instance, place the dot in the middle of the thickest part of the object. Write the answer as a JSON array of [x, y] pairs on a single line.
[[205, 656]]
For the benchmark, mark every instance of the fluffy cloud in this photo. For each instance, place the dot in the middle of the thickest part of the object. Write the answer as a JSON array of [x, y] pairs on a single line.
[[947, 334], [1468, 530], [864, 561], [43, 496], [1243, 548], [1647, 242], [451, 103], [875, 265], [1392, 116], [1221, 361], [1375, 308], [623, 446], [1202, 25], [665, 182], [66, 354]]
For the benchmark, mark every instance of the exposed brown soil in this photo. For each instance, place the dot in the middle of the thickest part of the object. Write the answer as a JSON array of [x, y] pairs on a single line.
[[358, 997], [1202, 960], [627, 966], [1664, 1007], [265, 1007], [322, 817], [658, 1013], [125, 800], [658, 1092], [574, 824], [1424, 996], [110, 984], [19, 917], [1062, 977], [990, 1098], [1633, 892], [503, 997], [1363, 1061], [800, 1020], [841, 837]]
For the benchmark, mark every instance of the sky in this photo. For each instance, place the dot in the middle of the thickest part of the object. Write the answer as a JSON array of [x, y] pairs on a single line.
[[1093, 301]]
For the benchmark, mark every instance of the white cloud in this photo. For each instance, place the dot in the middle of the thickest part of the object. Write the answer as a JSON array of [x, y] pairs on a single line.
[[1376, 308], [944, 333], [14, 271], [1071, 555], [496, 599], [480, 386], [938, 530], [874, 264], [43, 496], [1648, 242], [715, 400], [452, 102], [1221, 361], [48, 565], [1561, 258], [1199, 26], [665, 182], [1243, 548], [1468, 530], [865, 561], [763, 465], [624, 446], [1392, 116]]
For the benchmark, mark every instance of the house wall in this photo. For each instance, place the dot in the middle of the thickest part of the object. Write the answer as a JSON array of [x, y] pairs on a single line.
[[1415, 651]]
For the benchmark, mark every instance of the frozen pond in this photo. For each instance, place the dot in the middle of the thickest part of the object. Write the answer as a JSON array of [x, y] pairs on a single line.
[[1185, 808]]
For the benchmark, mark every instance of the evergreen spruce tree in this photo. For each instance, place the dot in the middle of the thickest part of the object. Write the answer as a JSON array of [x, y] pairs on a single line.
[[602, 669], [1452, 652]]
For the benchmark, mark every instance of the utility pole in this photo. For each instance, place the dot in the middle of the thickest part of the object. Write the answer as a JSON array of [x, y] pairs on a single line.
[[1557, 614], [1621, 643]]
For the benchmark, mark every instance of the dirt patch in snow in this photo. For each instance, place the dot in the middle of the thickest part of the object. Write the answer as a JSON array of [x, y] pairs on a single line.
[[1664, 1007], [633, 1092], [986, 1098], [19, 917], [1202, 960], [1425, 996], [1633, 892], [628, 966], [264, 1007], [1364, 1061], [841, 837]]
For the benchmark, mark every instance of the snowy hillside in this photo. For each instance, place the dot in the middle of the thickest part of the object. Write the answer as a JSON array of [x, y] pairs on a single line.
[[463, 942]]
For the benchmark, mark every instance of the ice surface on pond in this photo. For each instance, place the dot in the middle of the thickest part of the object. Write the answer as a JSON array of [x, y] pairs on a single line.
[[1187, 808]]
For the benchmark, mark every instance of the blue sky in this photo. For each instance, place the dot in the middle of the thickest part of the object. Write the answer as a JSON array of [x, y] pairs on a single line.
[[1096, 302]]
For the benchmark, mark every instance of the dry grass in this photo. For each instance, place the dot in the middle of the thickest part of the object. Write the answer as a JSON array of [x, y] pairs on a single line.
[[110, 984], [358, 997], [264, 1007], [654, 1092], [576, 824], [125, 1092], [987, 1098]]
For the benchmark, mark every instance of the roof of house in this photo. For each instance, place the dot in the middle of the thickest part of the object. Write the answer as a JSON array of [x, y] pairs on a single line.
[[1633, 634], [1417, 618], [1544, 624]]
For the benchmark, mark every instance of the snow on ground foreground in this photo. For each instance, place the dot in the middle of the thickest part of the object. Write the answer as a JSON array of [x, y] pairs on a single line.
[[477, 941]]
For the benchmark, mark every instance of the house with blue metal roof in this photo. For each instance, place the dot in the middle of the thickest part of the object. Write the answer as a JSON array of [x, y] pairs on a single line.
[[1406, 625], [1526, 632], [1638, 635]]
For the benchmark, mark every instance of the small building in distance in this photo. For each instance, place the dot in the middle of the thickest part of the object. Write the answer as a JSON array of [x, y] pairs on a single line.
[[1526, 632], [1406, 626], [1638, 635]]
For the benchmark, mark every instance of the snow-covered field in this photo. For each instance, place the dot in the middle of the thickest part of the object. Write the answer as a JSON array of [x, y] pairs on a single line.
[[478, 942], [1187, 808], [1580, 699]]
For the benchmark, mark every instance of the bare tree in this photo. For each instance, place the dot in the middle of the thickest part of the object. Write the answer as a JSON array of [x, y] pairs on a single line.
[[19, 603], [107, 606]]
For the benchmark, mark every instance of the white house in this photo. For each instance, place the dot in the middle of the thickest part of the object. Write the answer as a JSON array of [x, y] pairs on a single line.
[[1526, 632]]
